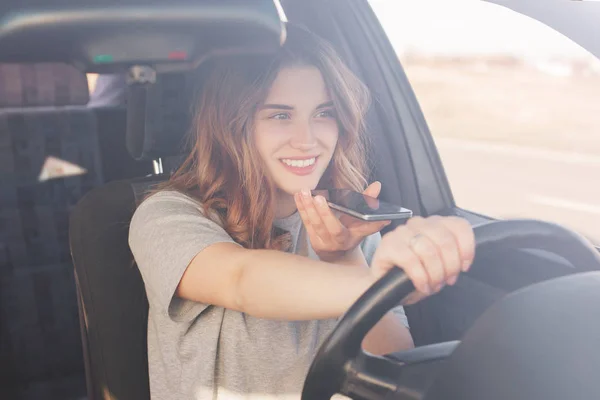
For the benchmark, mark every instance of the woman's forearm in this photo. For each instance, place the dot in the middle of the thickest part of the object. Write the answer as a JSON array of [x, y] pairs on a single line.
[[354, 257], [317, 291], [278, 285]]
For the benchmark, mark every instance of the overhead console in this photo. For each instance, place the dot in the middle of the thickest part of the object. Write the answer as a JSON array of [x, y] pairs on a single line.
[[113, 35]]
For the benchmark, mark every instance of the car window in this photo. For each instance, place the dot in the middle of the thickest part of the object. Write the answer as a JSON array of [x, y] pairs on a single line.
[[92, 78], [513, 106]]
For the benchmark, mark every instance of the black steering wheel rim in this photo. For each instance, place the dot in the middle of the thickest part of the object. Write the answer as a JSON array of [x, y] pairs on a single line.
[[340, 357]]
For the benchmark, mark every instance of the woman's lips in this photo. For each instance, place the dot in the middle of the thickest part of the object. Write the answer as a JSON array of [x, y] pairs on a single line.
[[300, 166]]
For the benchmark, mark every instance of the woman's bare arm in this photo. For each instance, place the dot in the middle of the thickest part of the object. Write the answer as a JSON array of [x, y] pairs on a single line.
[[277, 285], [272, 284]]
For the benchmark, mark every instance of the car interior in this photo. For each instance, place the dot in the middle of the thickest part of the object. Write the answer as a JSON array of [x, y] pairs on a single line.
[[72, 302]]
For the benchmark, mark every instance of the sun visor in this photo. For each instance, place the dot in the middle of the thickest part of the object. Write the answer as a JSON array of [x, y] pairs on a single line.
[[110, 35]]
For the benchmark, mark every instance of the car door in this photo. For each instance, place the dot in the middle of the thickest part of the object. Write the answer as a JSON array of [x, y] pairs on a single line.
[[408, 163]]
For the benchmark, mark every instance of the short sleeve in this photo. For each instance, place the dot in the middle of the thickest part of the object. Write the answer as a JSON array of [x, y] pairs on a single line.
[[369, 246], [167, 231]]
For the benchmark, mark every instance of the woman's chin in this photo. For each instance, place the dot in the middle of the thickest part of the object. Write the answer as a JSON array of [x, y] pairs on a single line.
[[293, 189]]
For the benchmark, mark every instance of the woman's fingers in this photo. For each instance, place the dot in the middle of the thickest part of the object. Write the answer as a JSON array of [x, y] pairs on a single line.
[[427, 252], [424, 249], [320, 220], [313, 217], [393, 252], [373, 190], [330, 233], [465, 238], [451, 238], [431, 251], [310, 230], [347, 235], [332, 223], [433, 236]]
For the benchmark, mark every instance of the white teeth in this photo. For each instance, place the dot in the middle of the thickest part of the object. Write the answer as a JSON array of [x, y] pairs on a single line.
[[299, 163]]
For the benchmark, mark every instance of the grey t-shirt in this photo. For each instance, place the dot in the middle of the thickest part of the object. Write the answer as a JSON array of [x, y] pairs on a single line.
[[200, 351]]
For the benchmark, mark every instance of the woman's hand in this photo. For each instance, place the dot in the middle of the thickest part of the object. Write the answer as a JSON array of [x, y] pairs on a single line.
[[432, 252], [332, 237]]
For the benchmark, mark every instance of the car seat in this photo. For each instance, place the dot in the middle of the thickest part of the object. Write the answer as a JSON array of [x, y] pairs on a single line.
[[45, 131], [112, 299]]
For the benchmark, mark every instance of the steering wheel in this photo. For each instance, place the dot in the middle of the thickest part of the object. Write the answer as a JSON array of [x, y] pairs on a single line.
[[341, 366]]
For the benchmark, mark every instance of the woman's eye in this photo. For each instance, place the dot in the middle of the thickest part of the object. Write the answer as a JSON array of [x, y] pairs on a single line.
[[326, 114], [280, 116]]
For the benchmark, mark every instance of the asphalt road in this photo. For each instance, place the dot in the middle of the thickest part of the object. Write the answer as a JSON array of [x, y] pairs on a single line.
[[507, 181]]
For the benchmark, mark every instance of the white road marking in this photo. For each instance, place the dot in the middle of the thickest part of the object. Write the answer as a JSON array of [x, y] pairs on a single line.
[[565, 204], [519, 151]]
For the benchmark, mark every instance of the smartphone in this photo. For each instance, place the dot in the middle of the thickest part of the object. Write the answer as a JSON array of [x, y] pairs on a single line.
[[362, 206]]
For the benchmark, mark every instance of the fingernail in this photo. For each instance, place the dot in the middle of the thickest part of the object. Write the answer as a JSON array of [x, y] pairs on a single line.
[[452, 280], [320, 200], [466, 266], [427, 289], [305, 193]]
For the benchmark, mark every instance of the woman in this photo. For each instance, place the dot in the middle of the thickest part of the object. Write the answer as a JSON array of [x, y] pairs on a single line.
[[246, 273]]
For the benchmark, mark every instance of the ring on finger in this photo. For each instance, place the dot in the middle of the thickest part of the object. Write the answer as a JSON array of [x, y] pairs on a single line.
[[419, 246]]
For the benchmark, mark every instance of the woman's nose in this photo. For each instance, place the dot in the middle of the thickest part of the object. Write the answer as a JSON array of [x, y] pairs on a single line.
[[304, 137]]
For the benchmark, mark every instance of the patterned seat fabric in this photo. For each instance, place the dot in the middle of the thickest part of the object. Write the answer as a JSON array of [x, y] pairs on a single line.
[[40, 342], [44, 84]]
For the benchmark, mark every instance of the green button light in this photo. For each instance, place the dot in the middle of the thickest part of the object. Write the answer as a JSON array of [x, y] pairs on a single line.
[[103, 58]]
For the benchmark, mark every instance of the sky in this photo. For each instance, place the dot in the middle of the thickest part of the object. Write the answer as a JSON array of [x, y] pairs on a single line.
[[461, 27]]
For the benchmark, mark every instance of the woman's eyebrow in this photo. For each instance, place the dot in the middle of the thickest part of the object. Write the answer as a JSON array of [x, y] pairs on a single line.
[[325, 105], [277, 107]]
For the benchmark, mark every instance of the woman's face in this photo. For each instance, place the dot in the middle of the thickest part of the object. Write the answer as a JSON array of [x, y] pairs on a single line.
[[296, 129]]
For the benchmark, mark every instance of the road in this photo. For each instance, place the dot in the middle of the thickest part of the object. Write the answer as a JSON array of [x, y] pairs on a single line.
[[508, 181]]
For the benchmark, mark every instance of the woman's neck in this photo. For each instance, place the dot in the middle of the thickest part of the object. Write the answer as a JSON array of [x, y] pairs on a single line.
[[285, 205]]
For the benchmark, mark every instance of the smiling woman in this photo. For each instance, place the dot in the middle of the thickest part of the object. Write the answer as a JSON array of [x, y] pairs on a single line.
[[237, 264], [304, 103]]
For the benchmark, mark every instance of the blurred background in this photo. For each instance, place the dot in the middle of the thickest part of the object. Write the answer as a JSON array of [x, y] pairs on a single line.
[[514, 108]]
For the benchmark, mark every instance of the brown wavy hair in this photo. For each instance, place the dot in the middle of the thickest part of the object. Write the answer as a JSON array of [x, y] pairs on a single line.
[[224, 171]]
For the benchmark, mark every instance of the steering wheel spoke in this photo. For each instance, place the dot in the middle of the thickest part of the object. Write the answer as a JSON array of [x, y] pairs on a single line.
[[369, 376]]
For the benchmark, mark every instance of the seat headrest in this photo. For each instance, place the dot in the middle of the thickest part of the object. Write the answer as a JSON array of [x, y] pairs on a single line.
[[42, 84], [159, 116]]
